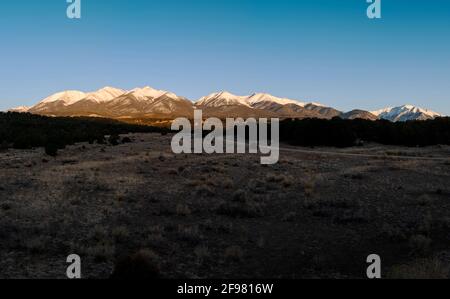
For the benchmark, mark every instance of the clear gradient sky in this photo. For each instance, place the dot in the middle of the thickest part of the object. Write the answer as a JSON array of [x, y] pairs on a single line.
[[320, 50]]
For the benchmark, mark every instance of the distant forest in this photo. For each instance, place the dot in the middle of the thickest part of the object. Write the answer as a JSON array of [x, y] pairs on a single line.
[[25, 131], [338, 132]]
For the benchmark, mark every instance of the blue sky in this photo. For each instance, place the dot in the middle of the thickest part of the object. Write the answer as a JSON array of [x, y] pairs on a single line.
[[320, 50]]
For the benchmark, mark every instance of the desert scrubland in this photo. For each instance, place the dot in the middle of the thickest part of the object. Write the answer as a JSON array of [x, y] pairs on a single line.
[[318, 213]]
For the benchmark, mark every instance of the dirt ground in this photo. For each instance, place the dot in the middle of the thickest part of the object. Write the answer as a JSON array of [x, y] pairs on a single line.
[[317, 214]]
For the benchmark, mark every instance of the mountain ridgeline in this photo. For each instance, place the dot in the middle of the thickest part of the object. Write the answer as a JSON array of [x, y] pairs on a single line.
[[149, 103]]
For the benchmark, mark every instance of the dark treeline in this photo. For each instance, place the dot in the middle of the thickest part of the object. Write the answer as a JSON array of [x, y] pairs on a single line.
[[24, 131], [342, 133]]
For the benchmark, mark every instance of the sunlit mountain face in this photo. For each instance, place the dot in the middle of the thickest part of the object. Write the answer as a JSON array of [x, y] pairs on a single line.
[[149, 102]]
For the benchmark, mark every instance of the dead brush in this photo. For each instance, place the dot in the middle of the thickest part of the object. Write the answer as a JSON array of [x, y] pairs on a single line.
[[420, 269], [424, 200], [190, 234], [234, 254], [420, 244], [37, 244], [172, 172], [351, 217], [309, 185], [157, 229], [241, 205], [183, 210], [280, 179], [120, 233], [100, 252], [155, 241], [311, 203], [202, 254], [142, 265], [259, 186], [289, 217], [426, 224], [205, 190], [227, 183], [393, 232], [99, 233]]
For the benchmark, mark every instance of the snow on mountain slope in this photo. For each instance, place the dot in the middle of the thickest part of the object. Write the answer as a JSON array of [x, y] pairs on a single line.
[[147, 101], [265, 97], [223, 98], [20, 109], [105, 94], [67, 97], [148, 92], [405, 113]]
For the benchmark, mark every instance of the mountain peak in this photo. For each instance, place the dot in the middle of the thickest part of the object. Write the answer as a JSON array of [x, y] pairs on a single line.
[[223, 98], [68, 97], [224, 95], [20, 109], [266, 97], [227, 94], [149, 92], [405, 112], [110, 89], [105, 94]]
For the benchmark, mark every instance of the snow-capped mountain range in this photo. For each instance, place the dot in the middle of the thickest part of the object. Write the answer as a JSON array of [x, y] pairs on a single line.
[[150, 102], [405, 113], [225, 99]]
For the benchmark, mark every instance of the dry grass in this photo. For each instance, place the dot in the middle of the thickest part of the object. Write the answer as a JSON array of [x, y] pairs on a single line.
[[393, 233], [280, 179], [227, 183], [142, 265], [202, 254], [420, 244], [104, 205], [290, 216], [241, 205], [234, 254], [424, 200], [36, 244], [420, 269], [120, 233], [190, 234], [183, 210], [101, 252], [309, 185]]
